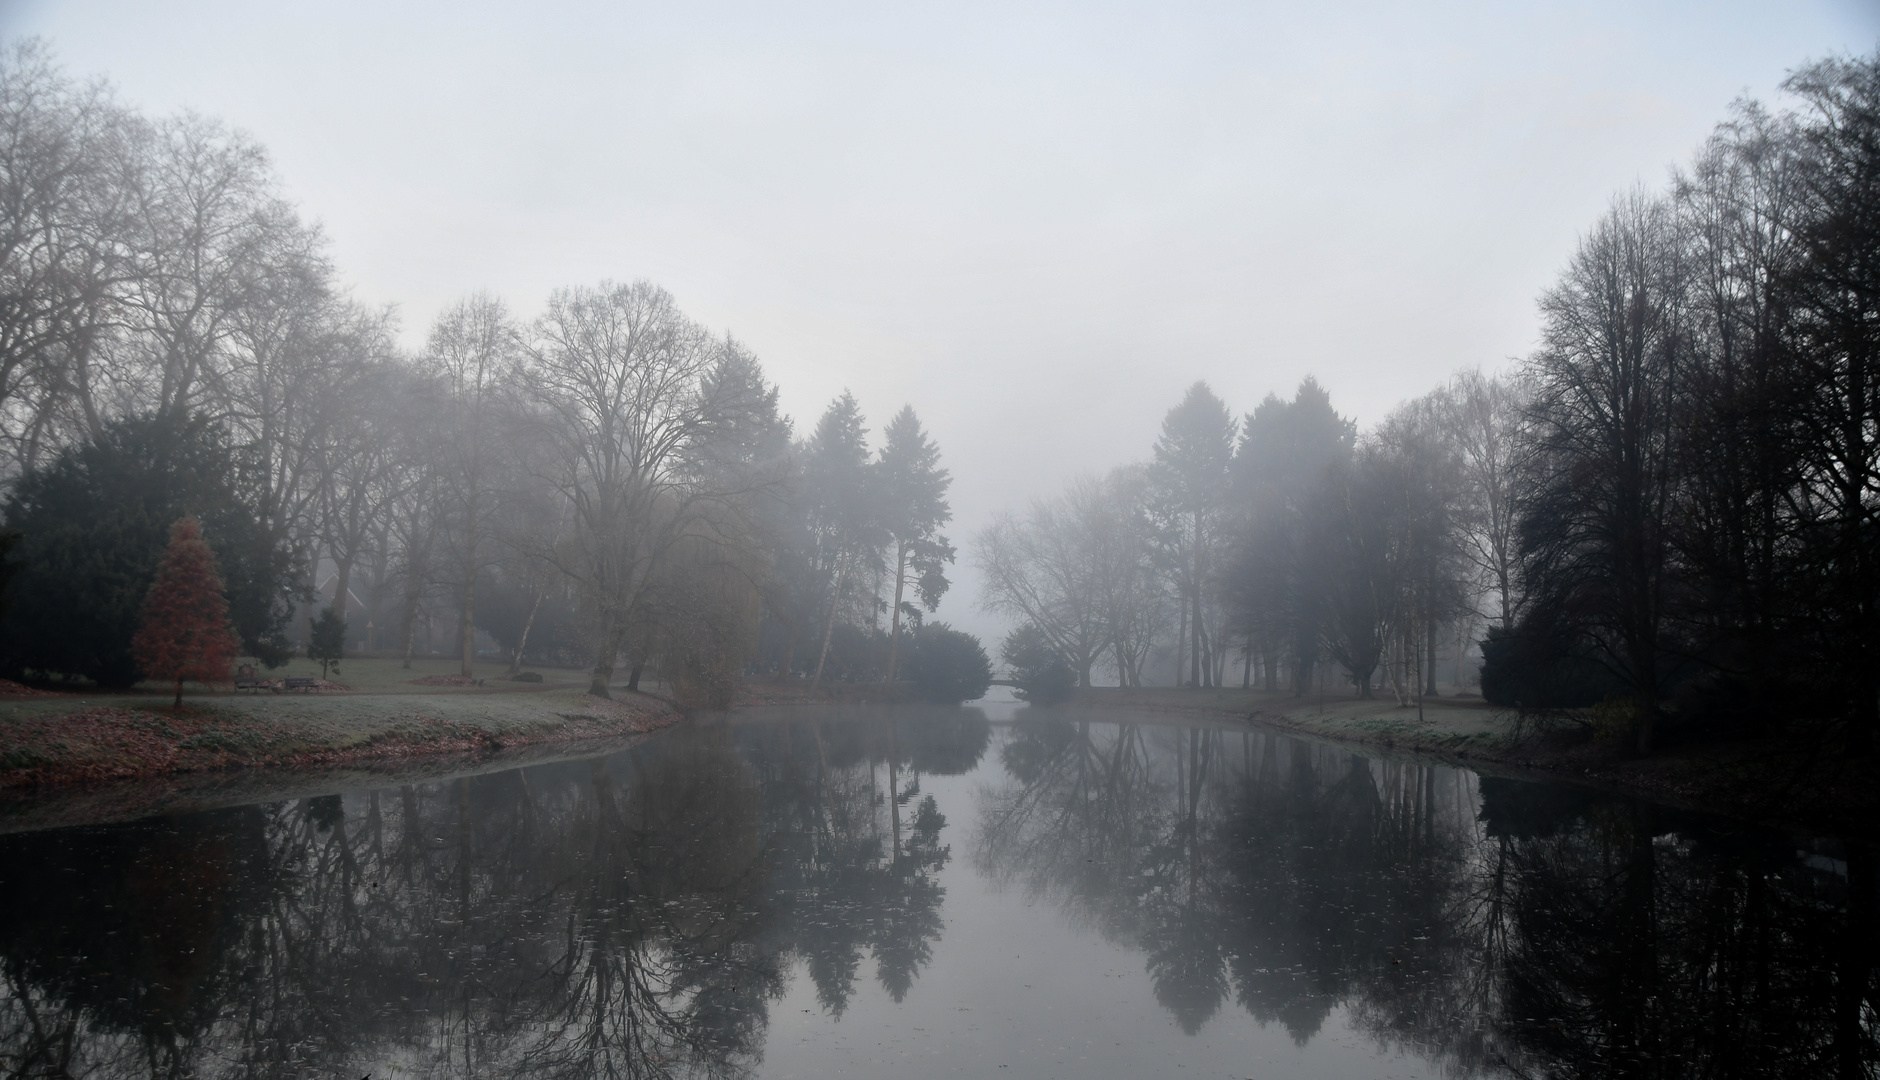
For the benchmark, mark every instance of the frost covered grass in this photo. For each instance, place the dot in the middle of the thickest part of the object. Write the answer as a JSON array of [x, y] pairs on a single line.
[[85, 737], [367, 674], [388, 675]]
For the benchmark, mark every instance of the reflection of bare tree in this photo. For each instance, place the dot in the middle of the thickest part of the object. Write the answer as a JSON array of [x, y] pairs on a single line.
[[1298, 878], [1641, 950], [566, 925], [636, 916], [621, 918]]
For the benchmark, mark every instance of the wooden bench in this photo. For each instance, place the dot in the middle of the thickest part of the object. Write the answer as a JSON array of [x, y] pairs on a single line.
[[303, 684], [251, 682]]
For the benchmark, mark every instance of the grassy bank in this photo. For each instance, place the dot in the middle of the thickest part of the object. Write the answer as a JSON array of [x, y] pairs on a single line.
[[1796, 778], [383, 713]]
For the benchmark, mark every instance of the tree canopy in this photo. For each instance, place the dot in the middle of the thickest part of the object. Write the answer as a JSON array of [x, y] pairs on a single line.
[[94, 525]]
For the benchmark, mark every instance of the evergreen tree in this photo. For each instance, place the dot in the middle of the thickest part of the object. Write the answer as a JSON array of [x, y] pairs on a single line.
[[1287, 454], [838, 489], [949, 666], [913, 489], [1042, 676], [327, 642], [185, 632], [1190, 472], [93, 525]]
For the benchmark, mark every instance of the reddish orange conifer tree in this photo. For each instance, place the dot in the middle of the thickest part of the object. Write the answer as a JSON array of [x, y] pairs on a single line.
[[185, 633]]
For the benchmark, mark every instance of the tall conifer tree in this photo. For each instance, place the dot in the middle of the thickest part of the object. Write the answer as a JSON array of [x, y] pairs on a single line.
[[913, 508]]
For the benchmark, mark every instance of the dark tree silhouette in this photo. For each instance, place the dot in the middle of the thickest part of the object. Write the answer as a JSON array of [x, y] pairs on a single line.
[[1834, 290], [1280, 476], [94, 523]]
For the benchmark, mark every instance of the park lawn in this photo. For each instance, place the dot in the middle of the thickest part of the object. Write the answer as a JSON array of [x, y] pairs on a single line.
[[369, 675], [82, 737], [386, 676]]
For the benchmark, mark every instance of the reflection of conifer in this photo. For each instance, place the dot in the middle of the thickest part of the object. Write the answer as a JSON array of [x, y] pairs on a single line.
[[185, 632]]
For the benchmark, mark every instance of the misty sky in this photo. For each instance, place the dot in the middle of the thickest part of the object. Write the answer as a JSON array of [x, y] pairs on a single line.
[[1037, 224]]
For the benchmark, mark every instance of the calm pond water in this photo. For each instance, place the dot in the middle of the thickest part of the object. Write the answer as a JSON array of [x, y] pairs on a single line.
[[913, 894]]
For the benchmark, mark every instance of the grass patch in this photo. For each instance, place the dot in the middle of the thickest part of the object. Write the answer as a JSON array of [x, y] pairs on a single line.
[[73, 739]]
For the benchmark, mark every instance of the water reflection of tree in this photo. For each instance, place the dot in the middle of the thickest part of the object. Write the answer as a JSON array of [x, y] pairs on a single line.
[[633, 917], [1643, 945], [863, 844], [1296, 879]]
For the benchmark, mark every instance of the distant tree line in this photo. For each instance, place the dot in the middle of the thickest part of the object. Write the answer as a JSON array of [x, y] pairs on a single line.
[[604, 483], [1668, 509]]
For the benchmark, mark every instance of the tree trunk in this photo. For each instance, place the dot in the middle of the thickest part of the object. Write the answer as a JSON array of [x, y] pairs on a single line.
[[1429, 644], [633, 676], [1856, 966], [313, 583], [1194, 636], [1181, 643], [469, 623], [829, 627], [1195, 665], [342, 585], [1637, 927], [1204, 645], [178, 703], [515, 664], [789, 653], [603, 677], [375, 608], [894, 792], [414, 591], [894, 635]]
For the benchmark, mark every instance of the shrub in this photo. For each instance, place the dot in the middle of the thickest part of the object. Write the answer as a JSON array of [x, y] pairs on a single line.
[[702, 644], [948, 666], [1042, 676], [1536, 666]]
